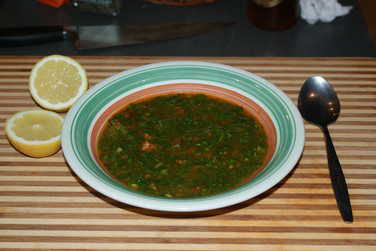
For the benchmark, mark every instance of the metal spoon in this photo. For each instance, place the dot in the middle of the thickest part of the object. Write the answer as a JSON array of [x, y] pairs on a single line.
[[318, 103]]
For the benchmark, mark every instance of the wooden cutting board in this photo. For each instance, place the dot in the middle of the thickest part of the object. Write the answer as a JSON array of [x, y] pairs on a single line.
[[44, 206]]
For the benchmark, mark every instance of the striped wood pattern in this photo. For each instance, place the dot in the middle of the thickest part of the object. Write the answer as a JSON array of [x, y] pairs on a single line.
[[44, 206]]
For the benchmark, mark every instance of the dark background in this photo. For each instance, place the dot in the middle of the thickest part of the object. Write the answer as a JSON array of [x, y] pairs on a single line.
[[344, 37]]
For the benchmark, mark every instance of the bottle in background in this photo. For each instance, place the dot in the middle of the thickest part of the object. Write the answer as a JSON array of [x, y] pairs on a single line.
[[273, 14]]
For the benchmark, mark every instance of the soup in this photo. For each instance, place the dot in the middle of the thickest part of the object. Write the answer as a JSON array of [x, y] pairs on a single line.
[[182, 145]]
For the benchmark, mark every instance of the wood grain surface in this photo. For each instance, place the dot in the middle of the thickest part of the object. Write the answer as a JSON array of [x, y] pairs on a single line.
[[44, 206]]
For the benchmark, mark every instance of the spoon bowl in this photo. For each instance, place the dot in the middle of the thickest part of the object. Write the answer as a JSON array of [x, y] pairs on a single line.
[[318, 103]]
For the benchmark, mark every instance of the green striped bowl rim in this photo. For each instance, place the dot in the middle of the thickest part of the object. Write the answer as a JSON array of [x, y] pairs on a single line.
[[80, 119]]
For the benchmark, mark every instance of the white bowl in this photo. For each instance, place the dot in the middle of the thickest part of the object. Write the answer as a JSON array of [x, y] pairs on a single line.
[[82, 120]]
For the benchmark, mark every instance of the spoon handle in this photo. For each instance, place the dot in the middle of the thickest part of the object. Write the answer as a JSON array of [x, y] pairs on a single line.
[[338, 179]]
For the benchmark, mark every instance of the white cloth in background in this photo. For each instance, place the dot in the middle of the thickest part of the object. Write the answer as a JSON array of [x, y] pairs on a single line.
[[313, 11]]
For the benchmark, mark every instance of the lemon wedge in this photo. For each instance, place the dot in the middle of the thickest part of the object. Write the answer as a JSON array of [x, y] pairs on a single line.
[[35, 133], [56, 82]]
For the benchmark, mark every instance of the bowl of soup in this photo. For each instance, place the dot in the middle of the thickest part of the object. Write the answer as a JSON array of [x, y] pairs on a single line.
[[183, 136]]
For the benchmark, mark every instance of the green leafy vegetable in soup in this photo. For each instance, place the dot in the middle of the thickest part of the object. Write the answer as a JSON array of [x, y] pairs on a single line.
[[183, 145]]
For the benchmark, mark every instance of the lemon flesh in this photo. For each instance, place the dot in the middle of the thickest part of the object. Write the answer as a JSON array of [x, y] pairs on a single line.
[[35, 133], [57, 82]]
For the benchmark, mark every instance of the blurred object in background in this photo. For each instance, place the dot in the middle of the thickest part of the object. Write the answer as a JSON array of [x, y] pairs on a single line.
[[181, 2], [273, 14], [54, 3], [105, 7], [322, 10]]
